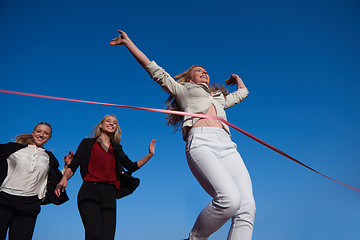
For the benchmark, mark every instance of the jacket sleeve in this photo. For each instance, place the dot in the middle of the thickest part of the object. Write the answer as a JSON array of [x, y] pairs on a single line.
[[6, 149], [164, 79], [125, 161], [235, 97], [80, 154]]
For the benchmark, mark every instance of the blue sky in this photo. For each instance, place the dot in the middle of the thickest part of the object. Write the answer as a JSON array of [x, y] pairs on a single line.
[[299, 59]]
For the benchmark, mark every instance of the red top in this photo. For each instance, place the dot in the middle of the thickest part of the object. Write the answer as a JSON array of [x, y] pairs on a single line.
[[102, 166]]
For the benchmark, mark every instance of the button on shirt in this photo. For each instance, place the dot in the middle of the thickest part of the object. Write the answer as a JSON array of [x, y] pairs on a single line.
[[195, 98], [27, 172]]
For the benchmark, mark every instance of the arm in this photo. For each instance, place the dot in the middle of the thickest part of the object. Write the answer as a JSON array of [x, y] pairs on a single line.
[[134, 166], [151, 153], [235, 79], [73, 165], [123, 39], [237, 96], [60, 187], [62, 184], [157, 73], [67, 159]]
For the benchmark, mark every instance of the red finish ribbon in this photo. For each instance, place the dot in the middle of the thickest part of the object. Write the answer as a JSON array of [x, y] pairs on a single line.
[[184, 114]]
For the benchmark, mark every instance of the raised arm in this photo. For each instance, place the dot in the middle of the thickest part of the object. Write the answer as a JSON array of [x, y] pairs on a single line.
[[157, 73], [237, 96], [123, 39], [235, 79], [151, 153]]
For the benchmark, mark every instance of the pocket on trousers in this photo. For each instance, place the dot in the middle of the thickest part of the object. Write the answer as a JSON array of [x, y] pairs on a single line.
[[189, 143]]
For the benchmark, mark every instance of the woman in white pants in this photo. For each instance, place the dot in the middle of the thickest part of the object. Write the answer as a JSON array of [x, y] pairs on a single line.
[[211, 155]]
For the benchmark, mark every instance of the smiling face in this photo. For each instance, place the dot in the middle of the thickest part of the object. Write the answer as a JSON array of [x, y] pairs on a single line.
[[41, 135], [199, 75], [109, 125]]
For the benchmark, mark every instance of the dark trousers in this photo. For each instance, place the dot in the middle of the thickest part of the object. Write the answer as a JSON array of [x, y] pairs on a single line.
[[18, 214], [97, 207]]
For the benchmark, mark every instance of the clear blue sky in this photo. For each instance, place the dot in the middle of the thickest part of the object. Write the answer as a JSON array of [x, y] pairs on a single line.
[[299, 59]]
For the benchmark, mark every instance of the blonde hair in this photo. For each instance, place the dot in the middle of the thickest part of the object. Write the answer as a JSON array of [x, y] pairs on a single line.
[[26, 138], [171, 103], [116, 137]]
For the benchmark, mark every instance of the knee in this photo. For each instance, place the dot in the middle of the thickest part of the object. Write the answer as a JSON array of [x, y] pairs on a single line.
[[228, 204], [247, 212]]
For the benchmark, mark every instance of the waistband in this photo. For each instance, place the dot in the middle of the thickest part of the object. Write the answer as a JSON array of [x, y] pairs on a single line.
[[207, 130]]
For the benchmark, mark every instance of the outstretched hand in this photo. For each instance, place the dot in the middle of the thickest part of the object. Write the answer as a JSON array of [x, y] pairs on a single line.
[[122, 39], [152, 147], [235, 79]]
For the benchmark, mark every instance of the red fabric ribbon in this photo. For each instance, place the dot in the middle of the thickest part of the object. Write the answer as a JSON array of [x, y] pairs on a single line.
[[197, 115]]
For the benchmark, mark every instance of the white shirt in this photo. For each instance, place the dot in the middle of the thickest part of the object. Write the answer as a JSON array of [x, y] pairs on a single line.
[[27, 172]]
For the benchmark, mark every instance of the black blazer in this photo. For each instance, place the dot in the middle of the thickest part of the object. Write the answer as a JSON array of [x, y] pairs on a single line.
[[128, 184], [54, 175]]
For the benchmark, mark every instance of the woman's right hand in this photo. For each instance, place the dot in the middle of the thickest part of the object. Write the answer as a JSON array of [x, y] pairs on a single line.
[[122, 39], [60, 187]]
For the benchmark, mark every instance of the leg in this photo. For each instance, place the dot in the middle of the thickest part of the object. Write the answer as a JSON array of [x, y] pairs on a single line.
[[6, 213], [243, 221], [24, 213], [108, 212], [89, 209], [22, 226], [204, 161]]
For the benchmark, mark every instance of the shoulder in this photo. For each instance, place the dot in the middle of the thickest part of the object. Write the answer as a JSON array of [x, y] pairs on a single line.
[[116, 146], [12, 144], [11, 147], [88, 141], [53, 160]]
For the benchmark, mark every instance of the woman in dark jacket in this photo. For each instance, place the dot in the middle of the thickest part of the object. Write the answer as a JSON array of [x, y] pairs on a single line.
[[28, 176], [102, 162]]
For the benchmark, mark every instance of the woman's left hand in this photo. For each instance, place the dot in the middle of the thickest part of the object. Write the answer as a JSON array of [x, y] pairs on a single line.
[[152, 147], [68, 158], [235, 79]]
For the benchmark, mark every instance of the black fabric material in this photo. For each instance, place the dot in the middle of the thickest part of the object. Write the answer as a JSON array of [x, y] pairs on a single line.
[[97, 207], [18, 215], [128, 184]]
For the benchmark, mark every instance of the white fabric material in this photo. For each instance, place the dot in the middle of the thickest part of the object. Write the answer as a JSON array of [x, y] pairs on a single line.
[[195, 98], [220, 170], [27, 172]]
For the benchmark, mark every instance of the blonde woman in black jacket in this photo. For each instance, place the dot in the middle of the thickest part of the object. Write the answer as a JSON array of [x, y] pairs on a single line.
[[28, 177], [102, 162]]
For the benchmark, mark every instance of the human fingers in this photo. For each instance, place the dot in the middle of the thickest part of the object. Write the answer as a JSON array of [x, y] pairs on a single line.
[[58, 190]]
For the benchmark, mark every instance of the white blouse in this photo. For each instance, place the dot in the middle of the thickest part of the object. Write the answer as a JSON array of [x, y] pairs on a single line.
[[27, 172]]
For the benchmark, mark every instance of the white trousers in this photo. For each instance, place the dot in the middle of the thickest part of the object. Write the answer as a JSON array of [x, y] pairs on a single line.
[[220, 170]]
